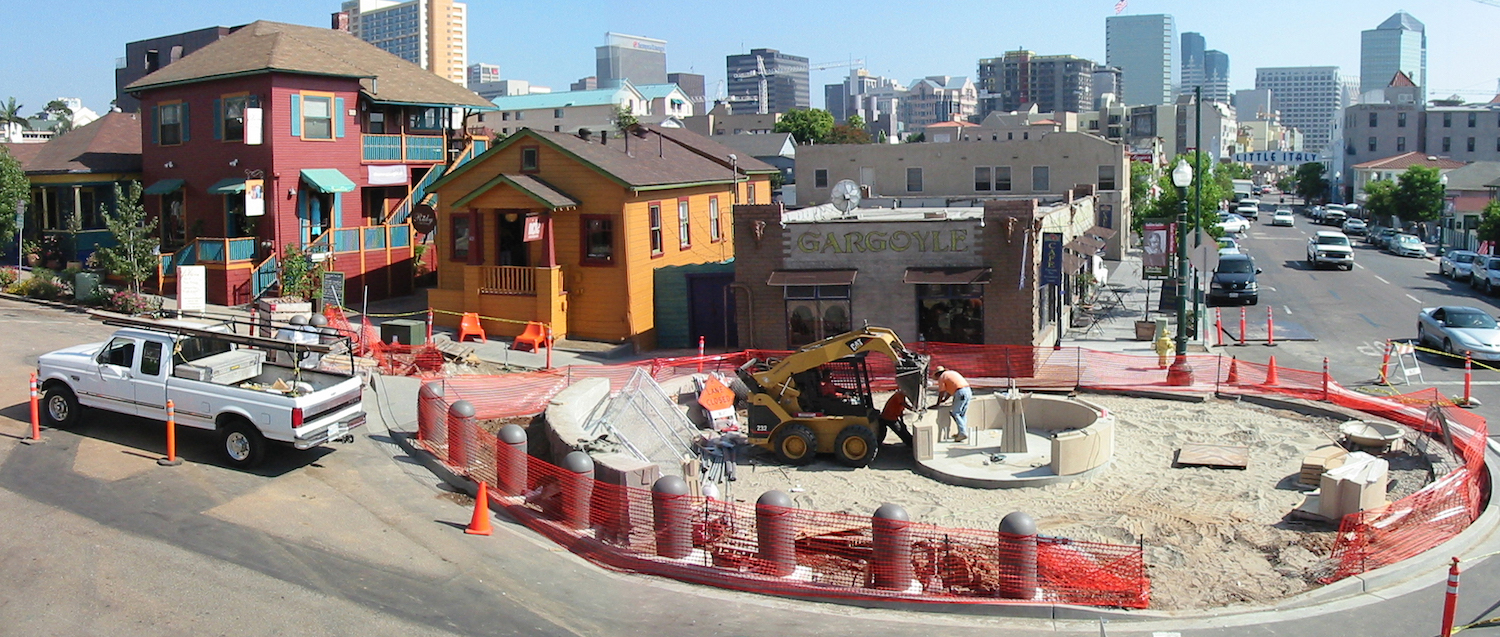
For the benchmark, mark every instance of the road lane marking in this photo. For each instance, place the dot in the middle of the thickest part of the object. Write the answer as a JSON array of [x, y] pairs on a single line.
[[1335, 294], [1367, 320], [1419, 301], [1377, 278], [1359, 266], [1288, 309], [1459, 382]]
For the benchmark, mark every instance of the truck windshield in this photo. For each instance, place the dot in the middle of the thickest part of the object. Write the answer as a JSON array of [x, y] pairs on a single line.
[[1333, 241]]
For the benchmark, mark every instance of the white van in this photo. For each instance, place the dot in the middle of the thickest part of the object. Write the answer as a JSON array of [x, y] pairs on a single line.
[[1249, 209]]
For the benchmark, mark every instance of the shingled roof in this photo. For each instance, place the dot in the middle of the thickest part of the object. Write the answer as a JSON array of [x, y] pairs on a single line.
[[1407, 160], [651, 158], [264, 47], [110, 144]]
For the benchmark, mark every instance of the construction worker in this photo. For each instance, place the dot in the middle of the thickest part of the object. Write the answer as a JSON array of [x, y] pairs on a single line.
[[894, 409], [952, 383]]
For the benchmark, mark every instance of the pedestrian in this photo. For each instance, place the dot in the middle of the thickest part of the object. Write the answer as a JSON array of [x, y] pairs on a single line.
[[952, 383]]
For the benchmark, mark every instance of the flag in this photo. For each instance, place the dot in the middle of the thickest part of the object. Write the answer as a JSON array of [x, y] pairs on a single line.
[[1119, 6]]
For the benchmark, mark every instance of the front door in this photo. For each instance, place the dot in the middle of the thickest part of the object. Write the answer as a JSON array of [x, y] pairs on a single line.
[[150, 388], [711, 313], [510, 239], [109, 386]]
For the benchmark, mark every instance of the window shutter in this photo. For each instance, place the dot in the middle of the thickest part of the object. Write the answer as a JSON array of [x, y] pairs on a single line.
[[155, 125], [338, 117], [185, 126], [296, 115], [218, 119]]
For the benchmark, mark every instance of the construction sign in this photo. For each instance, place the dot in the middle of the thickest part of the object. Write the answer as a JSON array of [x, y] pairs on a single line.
[[717, 400]]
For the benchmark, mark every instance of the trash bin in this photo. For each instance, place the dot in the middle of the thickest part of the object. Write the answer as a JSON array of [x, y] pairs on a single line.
[[85, 285], [405, 331]]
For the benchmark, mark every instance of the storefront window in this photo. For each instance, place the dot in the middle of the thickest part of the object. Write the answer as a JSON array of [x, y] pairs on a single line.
[[951, 313], [816, 312]]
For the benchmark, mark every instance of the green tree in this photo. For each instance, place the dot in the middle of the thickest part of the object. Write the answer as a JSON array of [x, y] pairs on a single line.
[[1419, 194], [134, 257], [856, 121], [915, 139], [847, 134], [57, 110], [14, 188], [1489, 224], [1381, 200], [807, 126], [623, 118], [11, 112], [301, 276], [1311, 181], [1142, 203], [1216, 188]]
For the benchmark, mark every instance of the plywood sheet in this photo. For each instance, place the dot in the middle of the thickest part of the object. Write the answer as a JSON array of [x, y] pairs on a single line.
[[1206, 455]]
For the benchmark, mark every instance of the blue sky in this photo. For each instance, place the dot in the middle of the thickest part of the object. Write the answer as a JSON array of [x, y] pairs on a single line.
[[69, 47]]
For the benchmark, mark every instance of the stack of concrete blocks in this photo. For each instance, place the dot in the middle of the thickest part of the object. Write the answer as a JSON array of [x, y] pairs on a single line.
[[1358, 485], [1319, 461]]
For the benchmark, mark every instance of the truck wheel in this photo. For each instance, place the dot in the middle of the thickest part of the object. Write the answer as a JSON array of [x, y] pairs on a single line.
[[855, 446], [242, 444], [795, 444], [61, 407]]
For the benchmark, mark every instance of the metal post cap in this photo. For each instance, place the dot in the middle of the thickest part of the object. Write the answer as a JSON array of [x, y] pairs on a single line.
[[432, 389], [774, 498], [462, 409], [578, 462], [318, 320], [889, 511], [670, 485], [512, 434], [1018, 523]]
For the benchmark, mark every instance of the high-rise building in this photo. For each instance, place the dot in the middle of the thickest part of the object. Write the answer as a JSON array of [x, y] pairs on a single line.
[[585, 84], [694, 85], [1310, 99], [1254, 104], [480, 73], [1021, 78], [1398, 44], [938, 98], [1107, 82], [1215, 76], [432, 34], [1141, 46], [779, 79], [630, 57], [1192, 71]]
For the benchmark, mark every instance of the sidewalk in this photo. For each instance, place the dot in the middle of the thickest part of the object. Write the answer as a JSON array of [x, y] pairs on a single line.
[[1121, 302]]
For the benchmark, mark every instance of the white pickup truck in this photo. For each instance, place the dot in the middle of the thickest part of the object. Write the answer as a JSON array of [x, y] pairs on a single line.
[[215, 379]]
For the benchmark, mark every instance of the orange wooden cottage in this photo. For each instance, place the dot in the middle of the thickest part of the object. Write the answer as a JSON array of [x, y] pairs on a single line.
[[570, 230]]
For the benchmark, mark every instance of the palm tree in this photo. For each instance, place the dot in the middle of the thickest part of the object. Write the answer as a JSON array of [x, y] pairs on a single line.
[[10, 112]]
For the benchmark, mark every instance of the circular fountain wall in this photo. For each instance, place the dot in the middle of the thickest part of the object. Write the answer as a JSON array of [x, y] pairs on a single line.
[[1064, 438]]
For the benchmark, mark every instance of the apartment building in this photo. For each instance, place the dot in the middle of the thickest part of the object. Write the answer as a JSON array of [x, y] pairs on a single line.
[[1143, 48], [768, 81], [432, 34], [1310, 99], [1051, 82], [938, 98]]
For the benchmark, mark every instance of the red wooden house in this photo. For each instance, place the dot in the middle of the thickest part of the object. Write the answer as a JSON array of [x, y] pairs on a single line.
[[282, 135]]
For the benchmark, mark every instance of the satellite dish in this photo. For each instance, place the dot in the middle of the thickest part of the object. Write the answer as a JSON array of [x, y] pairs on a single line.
[[845, 195]]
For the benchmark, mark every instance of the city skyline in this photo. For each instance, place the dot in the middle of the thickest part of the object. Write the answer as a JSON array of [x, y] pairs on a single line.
[[556, 47]]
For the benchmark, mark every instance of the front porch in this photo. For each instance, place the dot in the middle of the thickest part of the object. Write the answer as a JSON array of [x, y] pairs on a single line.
[[516, 293]]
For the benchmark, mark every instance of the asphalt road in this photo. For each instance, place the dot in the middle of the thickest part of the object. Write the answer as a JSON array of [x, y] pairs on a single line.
[[357, 539], [1353, 313]]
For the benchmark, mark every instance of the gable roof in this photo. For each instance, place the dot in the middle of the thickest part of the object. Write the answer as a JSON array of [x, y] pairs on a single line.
[[1476, 176], [110, 144], [1402, 79], [1407, 160], [760, 145], [656, 159], [596, 97], [655, 91], [265, 47]]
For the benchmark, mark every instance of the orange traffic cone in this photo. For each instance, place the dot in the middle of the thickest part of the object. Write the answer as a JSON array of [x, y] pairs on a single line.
[[1271, 372], [480, 525], [1234, 371]]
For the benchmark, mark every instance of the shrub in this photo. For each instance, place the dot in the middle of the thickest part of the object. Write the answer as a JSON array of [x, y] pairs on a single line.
[[39, 287], [127, 302], [8, 277]]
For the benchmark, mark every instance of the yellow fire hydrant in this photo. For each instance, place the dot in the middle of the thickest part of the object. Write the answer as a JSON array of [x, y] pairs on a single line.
[[1164, 349]]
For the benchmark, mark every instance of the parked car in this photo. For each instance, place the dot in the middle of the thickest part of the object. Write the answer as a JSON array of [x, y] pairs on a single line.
[[1407, 245], [1485, 274], [1330, 248], [1334, 217], [1227, 245], [1354, 226], [1459, 329], [1233, 223], [1379, 238], [1234, 281], [1457, 264], [1283, 217]]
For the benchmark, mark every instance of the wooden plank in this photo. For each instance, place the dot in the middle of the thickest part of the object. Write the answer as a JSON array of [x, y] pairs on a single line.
[[1206, 455]]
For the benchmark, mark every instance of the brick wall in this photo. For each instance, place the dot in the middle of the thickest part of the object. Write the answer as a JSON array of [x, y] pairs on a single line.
[[760, 311]]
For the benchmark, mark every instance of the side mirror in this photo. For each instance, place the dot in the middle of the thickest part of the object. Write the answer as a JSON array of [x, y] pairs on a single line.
[[1258, 270]]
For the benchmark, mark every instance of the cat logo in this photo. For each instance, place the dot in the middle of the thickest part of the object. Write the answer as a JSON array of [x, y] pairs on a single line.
[[855, 344]]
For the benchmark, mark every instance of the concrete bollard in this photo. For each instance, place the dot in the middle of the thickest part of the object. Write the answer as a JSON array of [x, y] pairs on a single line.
[[460, 424], [776, 533], [891, 534], [671, 517], [1017, 556], [510, 460], [429, 409], [578, 489]]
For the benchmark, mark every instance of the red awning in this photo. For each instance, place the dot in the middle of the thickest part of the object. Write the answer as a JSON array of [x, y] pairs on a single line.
[[961, 276], [812, 277]]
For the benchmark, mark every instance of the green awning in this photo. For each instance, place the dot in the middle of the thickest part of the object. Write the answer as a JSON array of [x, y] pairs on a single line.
[[327, 180], [163, 187], [230, 186]]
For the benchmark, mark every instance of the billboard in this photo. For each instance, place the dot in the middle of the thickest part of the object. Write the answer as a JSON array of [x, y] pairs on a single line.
[[1158, 246]]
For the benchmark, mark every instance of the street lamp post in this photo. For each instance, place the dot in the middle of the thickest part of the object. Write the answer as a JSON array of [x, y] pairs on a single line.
[[1180, 373]]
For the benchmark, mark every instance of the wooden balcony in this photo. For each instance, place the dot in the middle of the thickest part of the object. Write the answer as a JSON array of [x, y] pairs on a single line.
[[507, 280], [404, 148]]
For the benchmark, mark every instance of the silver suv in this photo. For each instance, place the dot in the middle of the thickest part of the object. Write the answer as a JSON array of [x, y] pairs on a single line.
[[1330, 248]]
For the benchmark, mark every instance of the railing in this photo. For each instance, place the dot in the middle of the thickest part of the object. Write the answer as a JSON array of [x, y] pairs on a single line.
[[264, 276], [346, 239], [403, 147], [215, 250], [507, 279], [362, 238], [374, 238], [321, 245], [401, 236], [186, 255]]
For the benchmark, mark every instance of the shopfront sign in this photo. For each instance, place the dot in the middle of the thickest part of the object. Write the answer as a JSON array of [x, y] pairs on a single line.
[[1157, 260], [1052, 258], [255, 197], [821, 242], [533, 228]]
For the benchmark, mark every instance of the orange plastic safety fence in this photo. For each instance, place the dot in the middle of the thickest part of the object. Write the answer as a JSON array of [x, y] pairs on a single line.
[[834, 552]]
